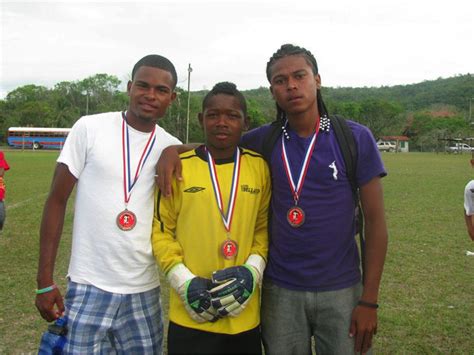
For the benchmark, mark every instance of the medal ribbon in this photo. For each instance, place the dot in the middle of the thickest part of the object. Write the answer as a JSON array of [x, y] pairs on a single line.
[[296, 190], [227, 219], [128, 183]]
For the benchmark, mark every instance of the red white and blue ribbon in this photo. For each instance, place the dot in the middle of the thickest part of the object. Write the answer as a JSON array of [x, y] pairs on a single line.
[[296, 188], [226, 218], [128, 181]]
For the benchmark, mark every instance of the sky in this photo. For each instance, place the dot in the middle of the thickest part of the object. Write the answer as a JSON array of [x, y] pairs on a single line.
[[357, 43]]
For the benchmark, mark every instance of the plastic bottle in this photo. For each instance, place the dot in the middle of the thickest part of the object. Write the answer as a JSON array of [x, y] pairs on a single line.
[[54, 339]]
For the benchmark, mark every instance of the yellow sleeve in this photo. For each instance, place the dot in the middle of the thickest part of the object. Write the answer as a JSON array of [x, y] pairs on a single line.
[[260, 241], [166, 248]]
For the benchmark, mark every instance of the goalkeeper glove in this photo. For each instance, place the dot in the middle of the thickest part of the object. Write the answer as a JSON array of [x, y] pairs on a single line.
[[236, 285], [194, 292]]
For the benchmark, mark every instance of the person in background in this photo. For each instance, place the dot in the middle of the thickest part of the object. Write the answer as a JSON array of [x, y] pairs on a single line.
[[469, 204], [112, 302], [211, 237], [3, 167]]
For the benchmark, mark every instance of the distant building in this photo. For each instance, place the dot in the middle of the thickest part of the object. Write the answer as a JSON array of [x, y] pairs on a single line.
[[401, 142]]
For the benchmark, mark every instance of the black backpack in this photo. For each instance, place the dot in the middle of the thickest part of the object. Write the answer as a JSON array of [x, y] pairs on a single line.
[[348, 147]]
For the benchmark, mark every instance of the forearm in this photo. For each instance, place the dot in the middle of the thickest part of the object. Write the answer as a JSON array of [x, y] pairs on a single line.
[[376, 238], [470, 225], [375, 251], [183, 148], [50, 235]]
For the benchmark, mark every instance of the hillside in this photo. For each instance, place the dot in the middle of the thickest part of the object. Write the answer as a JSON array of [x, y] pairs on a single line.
[[455, 92], [424, 111]]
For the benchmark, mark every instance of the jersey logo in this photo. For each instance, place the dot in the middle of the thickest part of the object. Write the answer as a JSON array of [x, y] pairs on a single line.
[[334, 169], [251, 190], [194, 189]]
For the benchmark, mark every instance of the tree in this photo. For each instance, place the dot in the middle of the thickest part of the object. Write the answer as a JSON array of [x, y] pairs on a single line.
[[257, 118], [100, 93], [29, 105]]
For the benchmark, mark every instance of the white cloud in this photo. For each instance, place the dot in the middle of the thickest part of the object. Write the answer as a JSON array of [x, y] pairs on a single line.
[[356, 43]]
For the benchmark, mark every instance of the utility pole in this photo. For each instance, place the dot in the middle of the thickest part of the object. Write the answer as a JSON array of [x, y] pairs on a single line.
[[179, 129], [86, 92], [87, 102], [189, 99], [470, 110]]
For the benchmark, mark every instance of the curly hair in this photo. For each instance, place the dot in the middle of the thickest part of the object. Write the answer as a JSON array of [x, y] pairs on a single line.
[[226, 88]]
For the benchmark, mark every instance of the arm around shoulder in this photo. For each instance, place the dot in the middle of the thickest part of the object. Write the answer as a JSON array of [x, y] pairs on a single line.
[[169, 165]]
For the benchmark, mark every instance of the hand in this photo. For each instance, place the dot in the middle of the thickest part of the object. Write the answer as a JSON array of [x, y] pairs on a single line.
[[168, 164], [197, 300], [50, 305], [194, 292], [235, 287], [363, 327]]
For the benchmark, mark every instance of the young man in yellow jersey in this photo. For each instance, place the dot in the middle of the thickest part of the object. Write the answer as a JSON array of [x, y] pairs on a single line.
[[210, 238]]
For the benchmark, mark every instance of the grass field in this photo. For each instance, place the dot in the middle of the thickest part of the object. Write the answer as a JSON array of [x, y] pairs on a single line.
[[427, 292]]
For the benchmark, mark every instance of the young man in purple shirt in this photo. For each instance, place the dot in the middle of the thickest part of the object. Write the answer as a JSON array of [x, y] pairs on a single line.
[[312, 285]]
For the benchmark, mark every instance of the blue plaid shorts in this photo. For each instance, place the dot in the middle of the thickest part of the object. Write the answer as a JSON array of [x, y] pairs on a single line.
[[101, 322]]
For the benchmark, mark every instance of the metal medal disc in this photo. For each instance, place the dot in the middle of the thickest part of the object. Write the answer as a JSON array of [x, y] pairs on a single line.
[[295, 216], [229, 249], [126, 220]]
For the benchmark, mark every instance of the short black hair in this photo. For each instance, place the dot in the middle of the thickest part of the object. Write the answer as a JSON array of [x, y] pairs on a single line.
[[226, 88], [289, 49], [284, 51], [157, 61]]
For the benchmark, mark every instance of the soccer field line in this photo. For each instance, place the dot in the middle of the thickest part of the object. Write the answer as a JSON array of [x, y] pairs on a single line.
[[25, 202]]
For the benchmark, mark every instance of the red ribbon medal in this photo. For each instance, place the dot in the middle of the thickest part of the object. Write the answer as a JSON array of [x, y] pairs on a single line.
[[295, 215], [126, 220], [229, 248]]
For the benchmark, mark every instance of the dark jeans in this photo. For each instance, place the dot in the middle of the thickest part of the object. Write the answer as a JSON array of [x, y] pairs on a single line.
[[183, 340]]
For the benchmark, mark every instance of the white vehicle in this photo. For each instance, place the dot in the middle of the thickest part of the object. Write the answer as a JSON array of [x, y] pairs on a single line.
[[460, 147], [386, 146]]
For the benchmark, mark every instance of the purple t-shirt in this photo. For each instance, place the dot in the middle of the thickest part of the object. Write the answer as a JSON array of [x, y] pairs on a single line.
[[321, 254]]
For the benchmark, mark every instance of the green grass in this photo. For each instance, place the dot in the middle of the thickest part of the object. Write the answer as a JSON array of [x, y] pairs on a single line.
[[427, 292]]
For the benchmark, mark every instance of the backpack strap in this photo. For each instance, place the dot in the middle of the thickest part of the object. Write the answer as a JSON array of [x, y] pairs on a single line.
[[347, 144], [348, 148], [270, 140]]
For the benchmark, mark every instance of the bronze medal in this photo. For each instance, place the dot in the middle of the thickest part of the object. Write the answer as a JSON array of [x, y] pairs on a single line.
[[126, 220], [295, 216], [229, 249]]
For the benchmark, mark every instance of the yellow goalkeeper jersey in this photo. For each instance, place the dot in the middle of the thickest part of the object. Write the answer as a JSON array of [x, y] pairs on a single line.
[[188, 228]]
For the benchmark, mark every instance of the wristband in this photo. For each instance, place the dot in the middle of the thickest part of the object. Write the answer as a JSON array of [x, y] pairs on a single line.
[[46, 289], [368, 304]]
